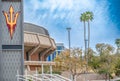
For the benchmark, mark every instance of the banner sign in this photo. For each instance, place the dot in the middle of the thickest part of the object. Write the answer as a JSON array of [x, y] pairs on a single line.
[[11, 20], [12, 0]]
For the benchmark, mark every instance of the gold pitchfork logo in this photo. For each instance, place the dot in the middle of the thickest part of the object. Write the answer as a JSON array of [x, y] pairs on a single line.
[[11, 20]]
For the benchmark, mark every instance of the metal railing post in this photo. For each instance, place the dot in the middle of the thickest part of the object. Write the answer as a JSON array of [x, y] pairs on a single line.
[[51, 69], [25, 75], [17, 75], [36, 74], [42, 71]]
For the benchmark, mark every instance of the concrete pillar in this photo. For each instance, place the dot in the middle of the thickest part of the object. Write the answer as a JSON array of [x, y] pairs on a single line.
[[42, 69], [51, 69]]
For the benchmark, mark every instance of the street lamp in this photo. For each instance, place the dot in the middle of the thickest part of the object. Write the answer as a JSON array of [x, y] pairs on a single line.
[[68, 29]]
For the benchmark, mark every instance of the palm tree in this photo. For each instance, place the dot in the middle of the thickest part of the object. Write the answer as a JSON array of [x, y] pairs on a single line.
[[89, 17], [83, 19], [117, 42], [86, 17]]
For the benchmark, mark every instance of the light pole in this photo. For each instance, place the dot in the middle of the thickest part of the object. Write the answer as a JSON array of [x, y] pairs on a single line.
[[68, 29]]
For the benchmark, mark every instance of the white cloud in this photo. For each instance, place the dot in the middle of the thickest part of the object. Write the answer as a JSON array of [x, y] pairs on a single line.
[[35, 4], [60, 14]]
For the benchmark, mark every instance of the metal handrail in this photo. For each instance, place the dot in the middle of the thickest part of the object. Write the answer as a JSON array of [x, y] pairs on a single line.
[[62, 77], [53, 76], [28, 77], [43, 77]]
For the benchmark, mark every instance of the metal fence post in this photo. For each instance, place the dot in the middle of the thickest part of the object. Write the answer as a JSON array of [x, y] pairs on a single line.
[[36, 74], [51, 69], [17, 75], [42, 71], [25, 75]]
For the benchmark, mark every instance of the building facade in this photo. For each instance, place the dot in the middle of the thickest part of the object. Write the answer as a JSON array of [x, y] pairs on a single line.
[[59, 48], [38, 45]]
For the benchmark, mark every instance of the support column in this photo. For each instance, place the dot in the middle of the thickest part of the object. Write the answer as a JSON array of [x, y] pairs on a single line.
[[42, 68]]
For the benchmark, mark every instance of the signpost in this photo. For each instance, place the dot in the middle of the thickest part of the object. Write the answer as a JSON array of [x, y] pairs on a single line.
[[11, 39]]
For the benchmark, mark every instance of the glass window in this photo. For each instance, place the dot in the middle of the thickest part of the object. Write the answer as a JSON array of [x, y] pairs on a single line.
[[60, 47]]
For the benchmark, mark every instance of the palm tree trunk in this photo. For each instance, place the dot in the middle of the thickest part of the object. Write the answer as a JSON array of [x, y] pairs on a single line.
[[85, 39], [88, 38]]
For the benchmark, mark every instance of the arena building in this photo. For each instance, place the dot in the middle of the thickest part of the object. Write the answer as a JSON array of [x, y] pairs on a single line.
[[38, 45]]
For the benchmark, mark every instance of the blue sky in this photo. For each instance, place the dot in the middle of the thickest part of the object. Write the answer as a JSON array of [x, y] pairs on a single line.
[[56, 15]]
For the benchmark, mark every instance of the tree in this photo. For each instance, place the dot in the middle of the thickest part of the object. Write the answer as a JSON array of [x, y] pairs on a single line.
[[104, 62], [117, 42], [83, 19], [117, 67], [74, 63], [89, 17], [90, 54], [86, 17], [95, 63]]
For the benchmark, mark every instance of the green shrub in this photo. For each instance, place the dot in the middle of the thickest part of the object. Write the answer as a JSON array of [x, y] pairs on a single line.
[[117, 80], [30, 80]]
